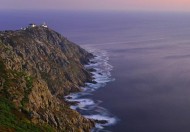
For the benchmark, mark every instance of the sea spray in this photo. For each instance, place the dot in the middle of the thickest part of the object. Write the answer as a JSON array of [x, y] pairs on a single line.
[[84, 104]]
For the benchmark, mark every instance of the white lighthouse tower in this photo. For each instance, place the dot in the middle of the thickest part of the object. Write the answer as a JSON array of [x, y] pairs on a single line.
[[44, 25]]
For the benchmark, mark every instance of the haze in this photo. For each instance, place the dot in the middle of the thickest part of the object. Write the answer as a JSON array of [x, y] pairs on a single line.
[[120, 5]]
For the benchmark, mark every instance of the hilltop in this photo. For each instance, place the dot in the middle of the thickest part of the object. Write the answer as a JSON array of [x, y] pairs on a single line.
[[38, 66]]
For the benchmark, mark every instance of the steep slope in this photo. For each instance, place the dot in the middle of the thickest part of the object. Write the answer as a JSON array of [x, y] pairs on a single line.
[[38, 67]]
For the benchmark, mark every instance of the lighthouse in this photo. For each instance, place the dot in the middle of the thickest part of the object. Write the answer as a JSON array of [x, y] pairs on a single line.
[[44, 25]]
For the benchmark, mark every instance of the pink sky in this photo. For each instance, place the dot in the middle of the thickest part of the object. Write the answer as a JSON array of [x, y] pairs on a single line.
[[158, 5]]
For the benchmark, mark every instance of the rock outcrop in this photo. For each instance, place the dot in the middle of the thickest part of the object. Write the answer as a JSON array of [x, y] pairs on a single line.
[[38, 66]]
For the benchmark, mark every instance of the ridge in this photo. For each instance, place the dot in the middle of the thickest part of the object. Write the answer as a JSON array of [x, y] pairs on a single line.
[[38, 66]]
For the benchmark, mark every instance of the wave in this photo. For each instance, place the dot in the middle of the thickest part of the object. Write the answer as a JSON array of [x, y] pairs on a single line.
[[83, 103]]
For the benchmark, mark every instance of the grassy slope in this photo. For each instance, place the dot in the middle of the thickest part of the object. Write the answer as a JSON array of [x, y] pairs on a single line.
[[10, 118]]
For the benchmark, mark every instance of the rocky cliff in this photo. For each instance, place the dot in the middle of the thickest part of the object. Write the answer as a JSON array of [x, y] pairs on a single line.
[[38, 66]]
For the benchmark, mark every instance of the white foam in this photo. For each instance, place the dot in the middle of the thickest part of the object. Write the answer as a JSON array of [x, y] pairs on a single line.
[[101, 75], [84, 103], [73, 107], [110, 120]]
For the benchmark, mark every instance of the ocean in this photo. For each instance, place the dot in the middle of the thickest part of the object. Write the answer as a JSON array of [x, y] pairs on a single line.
[[143, 69]]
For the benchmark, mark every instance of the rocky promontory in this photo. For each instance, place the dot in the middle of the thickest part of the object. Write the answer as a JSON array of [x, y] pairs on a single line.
[[38, 66]]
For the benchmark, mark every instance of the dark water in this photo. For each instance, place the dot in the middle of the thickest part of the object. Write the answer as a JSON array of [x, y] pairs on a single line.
[[150, 54]]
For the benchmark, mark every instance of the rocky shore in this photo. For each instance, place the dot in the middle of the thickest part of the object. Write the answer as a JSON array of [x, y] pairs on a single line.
[[38, 67]]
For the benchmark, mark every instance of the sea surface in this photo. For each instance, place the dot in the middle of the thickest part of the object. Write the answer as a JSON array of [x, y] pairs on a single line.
[[143, 69]]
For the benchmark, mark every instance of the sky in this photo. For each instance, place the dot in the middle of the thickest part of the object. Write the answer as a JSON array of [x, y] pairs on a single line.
[[119, 5]]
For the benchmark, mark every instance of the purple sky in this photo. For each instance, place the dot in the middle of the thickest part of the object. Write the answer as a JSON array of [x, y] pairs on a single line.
[[158, 5]]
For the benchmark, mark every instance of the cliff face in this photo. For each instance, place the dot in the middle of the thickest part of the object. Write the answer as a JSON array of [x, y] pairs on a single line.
[[38, 67]]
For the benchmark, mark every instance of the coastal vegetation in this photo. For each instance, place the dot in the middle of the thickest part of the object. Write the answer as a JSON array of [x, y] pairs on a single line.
[[38, 66]]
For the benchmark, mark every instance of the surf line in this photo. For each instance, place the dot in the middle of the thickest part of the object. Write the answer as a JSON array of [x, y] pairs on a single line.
[[82, 102]]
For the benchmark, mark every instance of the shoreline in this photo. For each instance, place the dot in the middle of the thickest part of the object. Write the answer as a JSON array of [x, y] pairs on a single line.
[[82, 101]]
